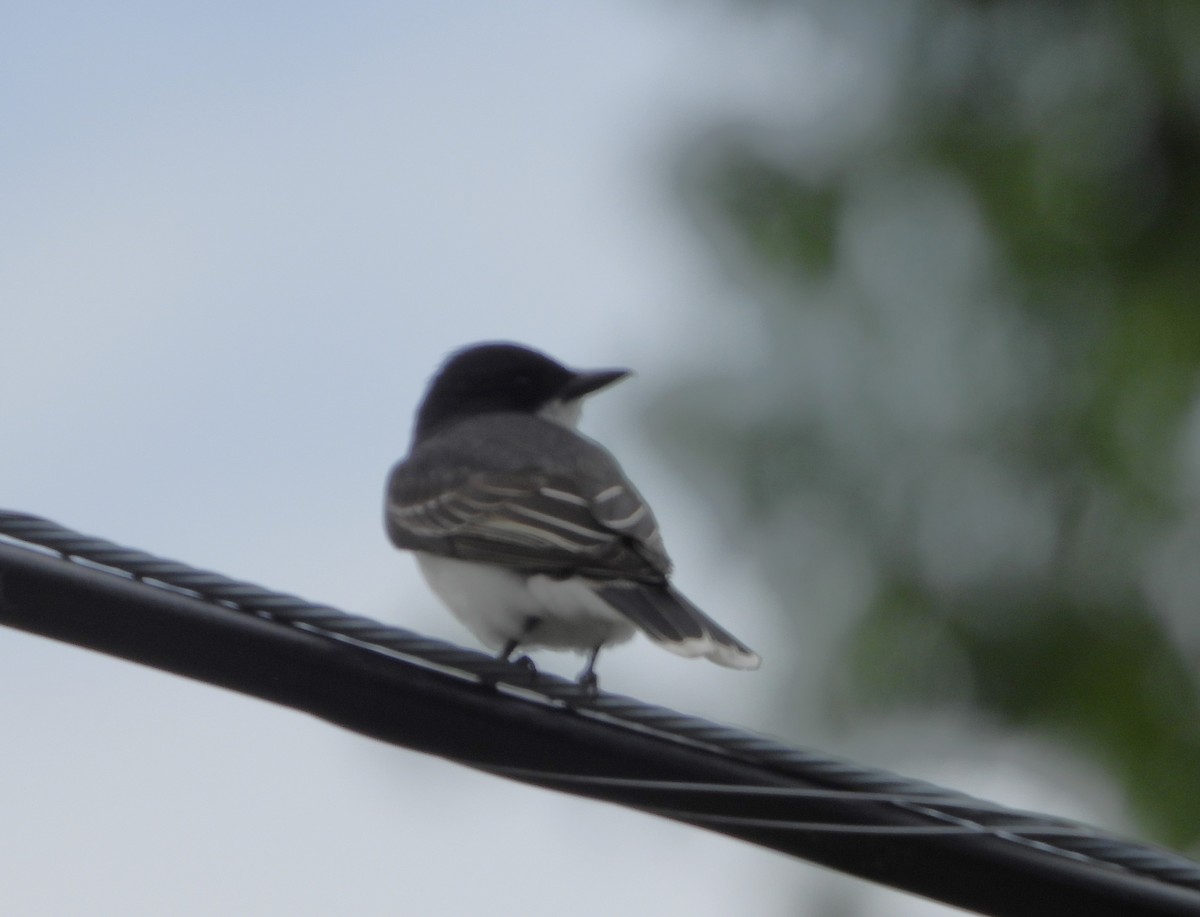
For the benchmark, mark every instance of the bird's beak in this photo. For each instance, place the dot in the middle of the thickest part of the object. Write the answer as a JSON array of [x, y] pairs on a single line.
[[585, 382]]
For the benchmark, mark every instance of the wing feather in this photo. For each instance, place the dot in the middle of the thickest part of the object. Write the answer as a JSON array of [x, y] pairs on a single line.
[[529, 520]]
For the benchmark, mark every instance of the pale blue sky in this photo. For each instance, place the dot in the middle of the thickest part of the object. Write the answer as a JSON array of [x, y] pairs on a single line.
[[235, 239]]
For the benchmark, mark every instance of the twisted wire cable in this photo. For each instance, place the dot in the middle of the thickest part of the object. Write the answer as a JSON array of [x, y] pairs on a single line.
[[776, 804]]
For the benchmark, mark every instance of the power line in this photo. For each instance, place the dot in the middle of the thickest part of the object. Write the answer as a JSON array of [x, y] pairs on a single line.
[[503, 718]]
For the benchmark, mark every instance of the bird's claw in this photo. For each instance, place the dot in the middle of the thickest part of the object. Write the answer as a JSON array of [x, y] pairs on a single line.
[[589, 684]]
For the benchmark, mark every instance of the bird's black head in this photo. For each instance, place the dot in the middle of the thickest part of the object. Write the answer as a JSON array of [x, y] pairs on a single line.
[[494, 377]]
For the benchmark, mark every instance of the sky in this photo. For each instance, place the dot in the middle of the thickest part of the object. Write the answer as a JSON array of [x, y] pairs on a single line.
[[235, 241]]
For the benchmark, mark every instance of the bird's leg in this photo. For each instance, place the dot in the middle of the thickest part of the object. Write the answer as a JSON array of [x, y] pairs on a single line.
[[511, 646], [587, 678]]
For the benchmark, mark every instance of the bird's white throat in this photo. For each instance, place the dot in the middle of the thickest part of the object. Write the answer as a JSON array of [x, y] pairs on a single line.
[[563, 413]]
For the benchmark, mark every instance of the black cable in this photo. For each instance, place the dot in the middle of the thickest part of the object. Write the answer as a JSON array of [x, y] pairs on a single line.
[[434, 697]]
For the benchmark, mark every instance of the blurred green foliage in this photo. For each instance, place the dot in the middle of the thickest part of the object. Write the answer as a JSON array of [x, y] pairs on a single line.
[[969, 429]]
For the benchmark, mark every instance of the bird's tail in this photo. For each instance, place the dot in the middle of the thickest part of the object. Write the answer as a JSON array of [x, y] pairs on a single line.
[[673, 622]]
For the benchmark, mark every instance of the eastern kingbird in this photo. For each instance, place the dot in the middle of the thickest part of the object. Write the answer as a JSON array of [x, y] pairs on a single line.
[[528, 531]]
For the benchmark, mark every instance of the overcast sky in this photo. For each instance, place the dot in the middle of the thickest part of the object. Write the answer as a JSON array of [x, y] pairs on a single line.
[[235, 240]]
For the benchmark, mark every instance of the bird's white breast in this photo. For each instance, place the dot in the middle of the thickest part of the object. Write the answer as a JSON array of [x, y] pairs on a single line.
[[496, 605]]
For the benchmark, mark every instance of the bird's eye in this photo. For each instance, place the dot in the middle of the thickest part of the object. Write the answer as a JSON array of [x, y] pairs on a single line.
[[523, 383]]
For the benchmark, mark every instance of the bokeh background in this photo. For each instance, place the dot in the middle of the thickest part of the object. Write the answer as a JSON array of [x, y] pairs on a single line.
[[911, 290]]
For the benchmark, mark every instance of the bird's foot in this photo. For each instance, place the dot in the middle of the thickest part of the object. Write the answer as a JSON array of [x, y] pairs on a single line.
[[526, 663], [505, 655], [589, 684], [587, 678]]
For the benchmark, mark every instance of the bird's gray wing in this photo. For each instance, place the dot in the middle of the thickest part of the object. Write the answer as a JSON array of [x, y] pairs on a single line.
[[595, 524]]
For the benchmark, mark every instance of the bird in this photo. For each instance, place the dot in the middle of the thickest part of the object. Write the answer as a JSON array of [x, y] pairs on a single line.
[[530, 532]]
